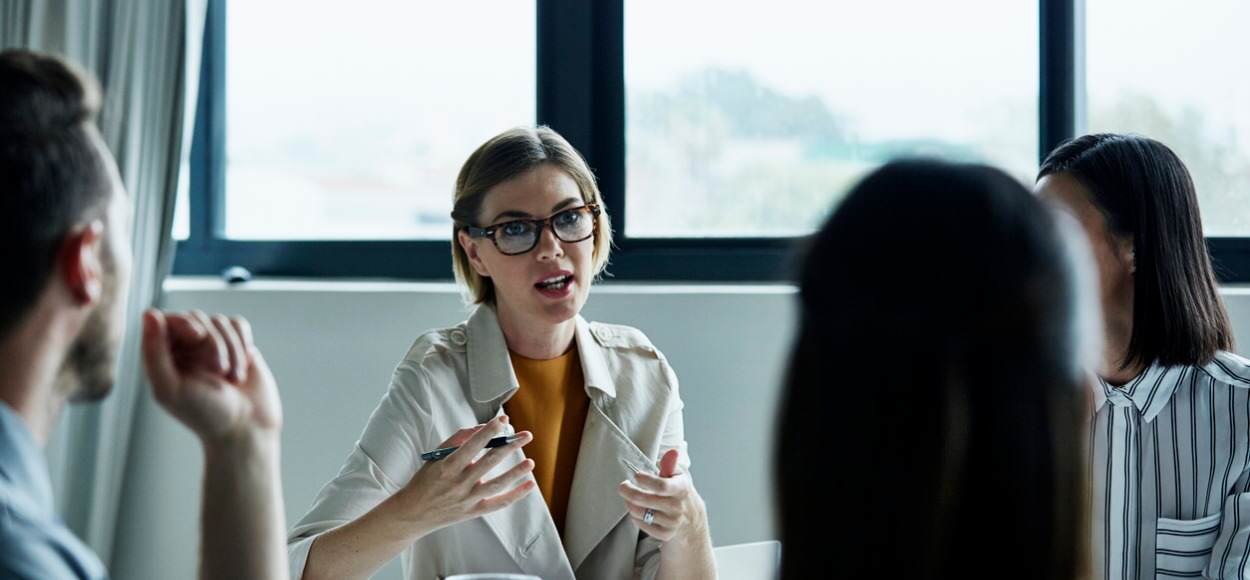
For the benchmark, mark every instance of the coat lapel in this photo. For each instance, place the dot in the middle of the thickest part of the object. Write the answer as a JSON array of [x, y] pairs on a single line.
[[528, 532], [605, 458], [524, 528]]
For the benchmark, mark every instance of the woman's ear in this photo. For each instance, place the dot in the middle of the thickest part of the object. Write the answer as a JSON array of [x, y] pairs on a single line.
[[1127, 255], [469, 245]]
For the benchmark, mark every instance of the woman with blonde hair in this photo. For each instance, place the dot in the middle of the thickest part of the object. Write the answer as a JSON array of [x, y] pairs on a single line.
[[595, 406]]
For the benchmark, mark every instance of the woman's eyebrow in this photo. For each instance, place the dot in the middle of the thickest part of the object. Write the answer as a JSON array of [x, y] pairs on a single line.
[[516, 213]]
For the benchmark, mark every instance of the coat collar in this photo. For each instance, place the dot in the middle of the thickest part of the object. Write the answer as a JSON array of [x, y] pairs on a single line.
[[491, 376]]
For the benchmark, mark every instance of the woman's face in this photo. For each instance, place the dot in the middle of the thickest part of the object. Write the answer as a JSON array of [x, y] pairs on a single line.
[[1112, 254], [550, 283]]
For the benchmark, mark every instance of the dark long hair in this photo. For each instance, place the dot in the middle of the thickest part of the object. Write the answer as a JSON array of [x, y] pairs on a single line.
[[934, 412], [1143, 190]]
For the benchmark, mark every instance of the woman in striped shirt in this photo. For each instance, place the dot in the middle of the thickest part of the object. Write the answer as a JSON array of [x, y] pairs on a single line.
[[940, 381], [1171, 431]]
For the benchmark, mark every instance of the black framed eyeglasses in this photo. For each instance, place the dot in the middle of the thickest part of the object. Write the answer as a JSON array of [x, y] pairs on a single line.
[[515, 237]]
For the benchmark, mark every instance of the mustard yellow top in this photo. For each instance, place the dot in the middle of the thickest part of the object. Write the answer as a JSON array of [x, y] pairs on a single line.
[[551, 404]]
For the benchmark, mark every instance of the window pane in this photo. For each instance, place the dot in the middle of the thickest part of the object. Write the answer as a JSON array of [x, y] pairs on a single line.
[[1176, 73], [350, 120], [750, 120]]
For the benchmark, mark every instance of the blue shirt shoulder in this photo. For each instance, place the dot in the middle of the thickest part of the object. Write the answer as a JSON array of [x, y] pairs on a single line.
[[34, 543]]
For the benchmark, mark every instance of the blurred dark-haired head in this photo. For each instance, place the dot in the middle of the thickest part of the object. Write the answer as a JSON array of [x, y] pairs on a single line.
[[940, 377], [1137, 203]]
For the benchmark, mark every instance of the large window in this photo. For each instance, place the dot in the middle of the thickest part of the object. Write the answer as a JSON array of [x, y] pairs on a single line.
[[751, 119], [721, 133], [1176, 72], [351, 121]]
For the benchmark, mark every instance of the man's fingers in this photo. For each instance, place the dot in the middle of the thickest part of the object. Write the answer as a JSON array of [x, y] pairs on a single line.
[[158, 360], [218, 352], [235, 351]]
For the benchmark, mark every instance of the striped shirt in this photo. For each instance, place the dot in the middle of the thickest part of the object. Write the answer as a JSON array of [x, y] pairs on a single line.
[[1171, 473]]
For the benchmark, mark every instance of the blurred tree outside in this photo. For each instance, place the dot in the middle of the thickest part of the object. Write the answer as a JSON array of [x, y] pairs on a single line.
[[720, 154]]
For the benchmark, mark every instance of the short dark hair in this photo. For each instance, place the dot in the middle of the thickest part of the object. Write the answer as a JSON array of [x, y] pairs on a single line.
[[52, 173], [936, 369], [1144, 190]]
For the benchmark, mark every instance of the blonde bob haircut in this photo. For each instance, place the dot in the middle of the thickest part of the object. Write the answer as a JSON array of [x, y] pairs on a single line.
[[504, 157]]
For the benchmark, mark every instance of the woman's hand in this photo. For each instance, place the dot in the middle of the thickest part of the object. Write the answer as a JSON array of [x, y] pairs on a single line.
[[677, 511], [452, 490]]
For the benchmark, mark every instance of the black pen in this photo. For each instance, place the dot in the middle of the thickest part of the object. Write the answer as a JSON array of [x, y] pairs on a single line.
[[437, 454]]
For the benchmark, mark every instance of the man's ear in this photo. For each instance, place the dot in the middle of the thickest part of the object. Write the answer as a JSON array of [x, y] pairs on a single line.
[[80, 262], [469, 245]]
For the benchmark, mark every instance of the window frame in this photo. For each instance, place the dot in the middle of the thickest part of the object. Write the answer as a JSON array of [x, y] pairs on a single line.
[[580, 93]]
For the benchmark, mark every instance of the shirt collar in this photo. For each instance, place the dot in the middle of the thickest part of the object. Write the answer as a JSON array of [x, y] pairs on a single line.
[[1149, 392], [21, 461]]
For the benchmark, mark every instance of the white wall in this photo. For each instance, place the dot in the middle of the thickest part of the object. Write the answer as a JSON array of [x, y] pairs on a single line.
[[333, 346], [1238, 301]]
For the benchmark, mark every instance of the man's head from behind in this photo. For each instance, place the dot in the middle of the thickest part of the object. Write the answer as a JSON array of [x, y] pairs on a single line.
[[64, 229]]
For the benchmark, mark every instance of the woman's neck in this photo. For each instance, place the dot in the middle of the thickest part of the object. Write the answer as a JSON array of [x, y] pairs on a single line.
[[534, 339], [1118, 320]]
